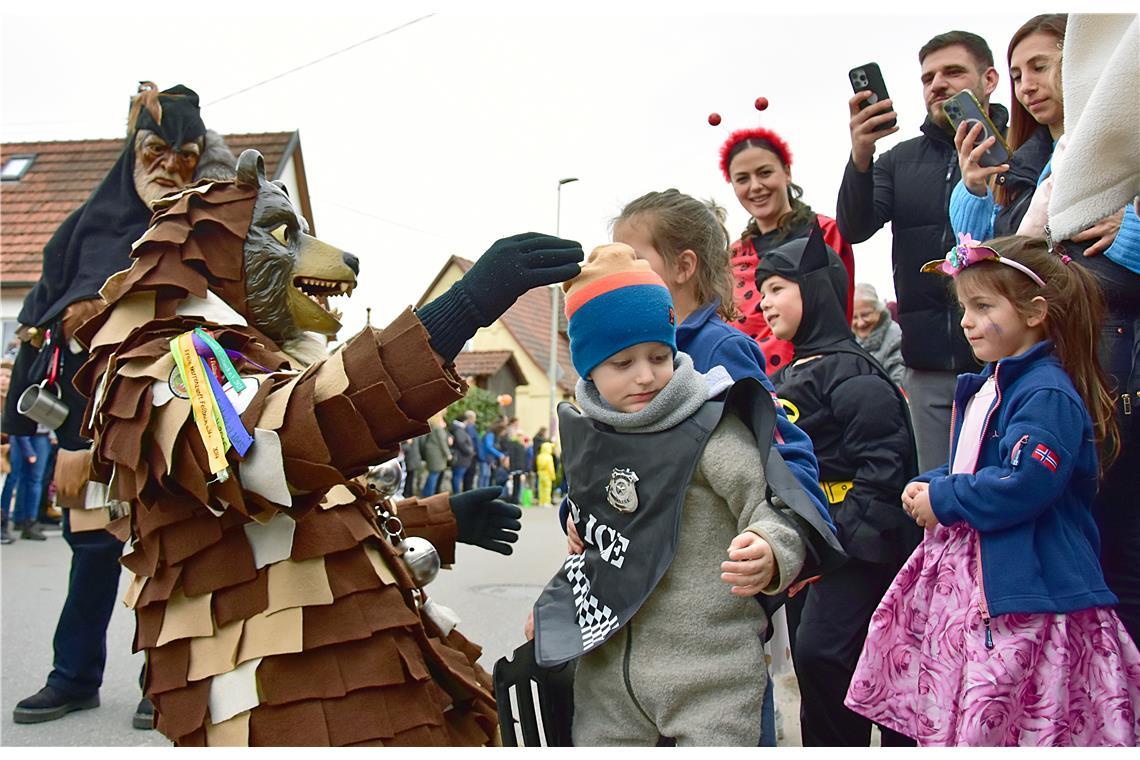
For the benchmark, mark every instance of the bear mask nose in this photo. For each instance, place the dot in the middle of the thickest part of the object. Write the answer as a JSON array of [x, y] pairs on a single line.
[[352, 263]]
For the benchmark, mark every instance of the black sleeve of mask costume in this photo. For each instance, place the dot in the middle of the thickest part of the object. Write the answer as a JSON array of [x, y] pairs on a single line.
[[876, 441]]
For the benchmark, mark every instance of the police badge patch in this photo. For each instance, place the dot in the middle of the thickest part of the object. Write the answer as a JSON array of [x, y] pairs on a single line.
[[621, 492]]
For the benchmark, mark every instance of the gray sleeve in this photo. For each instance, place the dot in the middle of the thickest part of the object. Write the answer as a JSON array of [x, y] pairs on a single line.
[[892, 354], [732, 467]]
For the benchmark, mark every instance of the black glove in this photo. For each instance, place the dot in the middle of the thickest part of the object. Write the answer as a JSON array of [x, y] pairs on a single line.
[[509, 268], [485, 521]]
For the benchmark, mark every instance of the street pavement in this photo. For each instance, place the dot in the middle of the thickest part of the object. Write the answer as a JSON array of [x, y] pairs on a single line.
[[492, 594], [34, 583]]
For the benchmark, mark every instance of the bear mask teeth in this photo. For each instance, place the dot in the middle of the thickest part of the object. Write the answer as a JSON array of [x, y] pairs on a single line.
[[312, 287]]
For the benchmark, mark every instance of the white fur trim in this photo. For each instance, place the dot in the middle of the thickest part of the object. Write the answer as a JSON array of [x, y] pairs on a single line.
[[1101, 79]]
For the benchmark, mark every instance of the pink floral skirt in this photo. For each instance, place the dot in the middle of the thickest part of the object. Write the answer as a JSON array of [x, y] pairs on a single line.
[[1050, 680]]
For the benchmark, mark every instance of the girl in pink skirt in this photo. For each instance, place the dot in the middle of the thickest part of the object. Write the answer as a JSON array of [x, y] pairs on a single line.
[[999, 630]]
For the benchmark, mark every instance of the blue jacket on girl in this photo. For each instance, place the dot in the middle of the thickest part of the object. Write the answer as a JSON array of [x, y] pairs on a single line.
[[710, 341], [1030, 497]]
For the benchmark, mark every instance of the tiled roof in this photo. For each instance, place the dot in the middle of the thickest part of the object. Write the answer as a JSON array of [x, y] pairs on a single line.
[[529, 322], [485, 363], [62, 177]]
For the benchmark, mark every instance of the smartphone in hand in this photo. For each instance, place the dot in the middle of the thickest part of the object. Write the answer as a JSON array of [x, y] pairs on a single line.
[[868, 77], [964, 107]]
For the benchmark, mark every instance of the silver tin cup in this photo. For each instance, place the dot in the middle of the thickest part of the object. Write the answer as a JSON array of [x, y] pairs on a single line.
[[37, 403]]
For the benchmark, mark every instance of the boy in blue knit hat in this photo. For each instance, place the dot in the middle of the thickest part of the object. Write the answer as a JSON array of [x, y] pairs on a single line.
[[673, 530]]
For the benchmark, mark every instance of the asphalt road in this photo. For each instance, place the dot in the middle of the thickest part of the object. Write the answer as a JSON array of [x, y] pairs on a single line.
[[492, 595]]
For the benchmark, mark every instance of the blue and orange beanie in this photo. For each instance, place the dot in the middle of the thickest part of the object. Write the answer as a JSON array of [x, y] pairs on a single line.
[[616, 302]]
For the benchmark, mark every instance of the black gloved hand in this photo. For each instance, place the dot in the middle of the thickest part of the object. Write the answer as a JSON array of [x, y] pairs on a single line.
[[485, 521], [509, 268]]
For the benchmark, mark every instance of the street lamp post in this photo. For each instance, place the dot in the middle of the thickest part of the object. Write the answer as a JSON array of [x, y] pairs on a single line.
[[552, 368]]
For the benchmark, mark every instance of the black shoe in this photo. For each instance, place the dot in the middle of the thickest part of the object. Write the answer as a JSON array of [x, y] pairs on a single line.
[[50, 704], [144, 715], [32, 531], [5, 536]]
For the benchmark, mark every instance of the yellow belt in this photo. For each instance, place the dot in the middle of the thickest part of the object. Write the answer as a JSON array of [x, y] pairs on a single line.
[[836, 490]]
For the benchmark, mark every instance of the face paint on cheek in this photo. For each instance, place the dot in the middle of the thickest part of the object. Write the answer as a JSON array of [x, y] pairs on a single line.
[[992, 328]]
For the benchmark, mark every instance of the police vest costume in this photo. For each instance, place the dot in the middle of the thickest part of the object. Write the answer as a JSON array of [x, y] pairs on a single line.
[[626, 494]]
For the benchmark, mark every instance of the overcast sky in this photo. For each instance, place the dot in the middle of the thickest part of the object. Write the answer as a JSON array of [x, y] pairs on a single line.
[[444, 135]]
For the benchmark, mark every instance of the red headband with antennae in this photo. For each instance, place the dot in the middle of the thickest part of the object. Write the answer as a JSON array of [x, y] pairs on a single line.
[[756, 133]]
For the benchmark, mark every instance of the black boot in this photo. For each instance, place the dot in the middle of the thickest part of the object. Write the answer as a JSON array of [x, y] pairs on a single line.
[[50, 704], [144, 715]]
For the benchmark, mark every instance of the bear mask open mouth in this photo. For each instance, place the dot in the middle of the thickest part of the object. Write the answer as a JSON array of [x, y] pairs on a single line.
[[320, 272], [320, 291]]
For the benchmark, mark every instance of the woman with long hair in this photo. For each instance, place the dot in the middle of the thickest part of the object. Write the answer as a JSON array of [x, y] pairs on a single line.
[[991, 200], [994, 200]]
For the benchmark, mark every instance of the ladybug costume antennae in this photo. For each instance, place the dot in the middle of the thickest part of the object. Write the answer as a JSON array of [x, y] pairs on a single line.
[[728, 149]]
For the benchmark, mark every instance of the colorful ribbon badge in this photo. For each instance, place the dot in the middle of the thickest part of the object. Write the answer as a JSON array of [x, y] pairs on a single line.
[[197, 355]]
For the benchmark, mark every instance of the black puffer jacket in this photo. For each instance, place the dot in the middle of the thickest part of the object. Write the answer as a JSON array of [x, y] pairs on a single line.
[[1025, 169], [910, 187]]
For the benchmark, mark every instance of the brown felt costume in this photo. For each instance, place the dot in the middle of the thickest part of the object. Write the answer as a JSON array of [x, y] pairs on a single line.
[[257, 631]]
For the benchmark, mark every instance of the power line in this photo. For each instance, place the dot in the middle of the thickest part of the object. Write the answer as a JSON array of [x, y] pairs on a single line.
[[382, 219], [323, 58]]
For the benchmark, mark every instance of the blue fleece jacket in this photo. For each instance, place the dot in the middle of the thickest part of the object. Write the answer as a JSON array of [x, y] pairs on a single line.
[[1031, 494], [712, 342]]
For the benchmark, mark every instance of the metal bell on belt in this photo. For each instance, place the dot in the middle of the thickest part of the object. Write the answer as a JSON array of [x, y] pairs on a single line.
[[421, 558], [387, 477]]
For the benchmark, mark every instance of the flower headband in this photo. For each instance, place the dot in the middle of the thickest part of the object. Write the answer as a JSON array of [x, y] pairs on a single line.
[[970, 251]]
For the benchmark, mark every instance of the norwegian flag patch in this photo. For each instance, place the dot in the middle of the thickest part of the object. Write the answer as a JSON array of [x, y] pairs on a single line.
[[1046, 456]]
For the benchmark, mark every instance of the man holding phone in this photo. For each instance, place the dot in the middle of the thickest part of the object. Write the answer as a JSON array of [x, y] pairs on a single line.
[[910, 187]]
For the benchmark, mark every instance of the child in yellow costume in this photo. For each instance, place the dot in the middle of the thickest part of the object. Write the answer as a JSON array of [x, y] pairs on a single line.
[[544, 464]]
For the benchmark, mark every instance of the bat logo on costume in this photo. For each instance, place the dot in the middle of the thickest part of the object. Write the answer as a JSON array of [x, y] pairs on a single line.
[[621, 493], [790, 409]]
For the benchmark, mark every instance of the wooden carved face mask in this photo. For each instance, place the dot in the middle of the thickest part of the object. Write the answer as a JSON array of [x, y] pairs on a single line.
[[161, 169]]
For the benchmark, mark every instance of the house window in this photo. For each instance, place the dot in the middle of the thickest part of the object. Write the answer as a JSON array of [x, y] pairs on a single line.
[[16, 167], [9, 345]]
